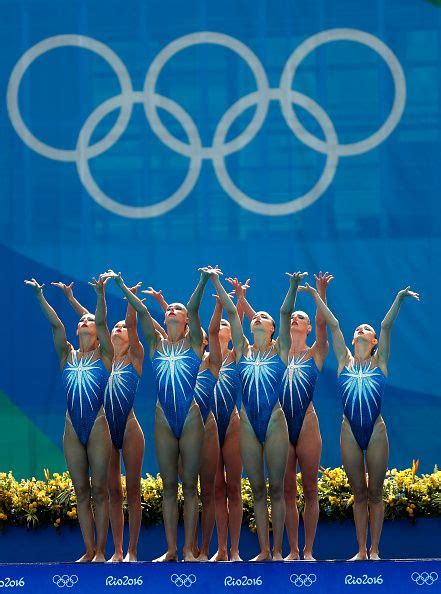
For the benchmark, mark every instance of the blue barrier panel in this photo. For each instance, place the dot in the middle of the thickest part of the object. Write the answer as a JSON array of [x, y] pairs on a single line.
[[400, 577]]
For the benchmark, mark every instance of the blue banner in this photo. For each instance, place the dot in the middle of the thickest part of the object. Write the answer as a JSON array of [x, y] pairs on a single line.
[[156, 137], [320, 578]]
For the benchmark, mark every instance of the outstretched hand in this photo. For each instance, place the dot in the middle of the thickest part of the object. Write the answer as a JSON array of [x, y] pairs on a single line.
[[34, 284], [67, 289], [295, 278], [100, 284], [218, 300], [408, 293], [306, 289], [239, 288], [155, 294], [322, 280], [112, 274], [210, 271], [134, 289]]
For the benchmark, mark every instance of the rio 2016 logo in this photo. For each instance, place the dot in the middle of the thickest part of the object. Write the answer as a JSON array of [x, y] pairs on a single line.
[[243, 581], [363, 580], [193, 149], [125, 580], [8, 582]]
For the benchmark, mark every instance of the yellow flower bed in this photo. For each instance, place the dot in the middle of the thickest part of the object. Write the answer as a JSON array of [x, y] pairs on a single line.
[[34, 502]]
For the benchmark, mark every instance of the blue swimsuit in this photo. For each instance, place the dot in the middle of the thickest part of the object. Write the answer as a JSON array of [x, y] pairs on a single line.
[[84, 381], [203, 391], [118, 399], [261, 375], [362, 388], [297, 391], [225, 396], [175, 371]]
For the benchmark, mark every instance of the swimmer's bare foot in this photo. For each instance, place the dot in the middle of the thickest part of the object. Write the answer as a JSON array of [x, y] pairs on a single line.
[[374, 556], [190, 557], [262, 556], [131, 557], [168, 556], [221, 555], [277, 556], [360, 556], [307, 556], [86, 558], [234, 556], [99, 557], [293, 556], [203, 556], [116, 557]]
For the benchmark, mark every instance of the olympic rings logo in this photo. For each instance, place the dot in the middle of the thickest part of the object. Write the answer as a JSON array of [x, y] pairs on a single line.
[[424, 578], [303, 579], [193, 149], [67, 581], [183, 579]]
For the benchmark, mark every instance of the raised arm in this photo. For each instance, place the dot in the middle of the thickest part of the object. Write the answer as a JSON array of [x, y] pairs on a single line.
[[68, 292], [194, 321], [145, 319], [243, 306], [286, 310], [321, 336], [213, 338], [157, 296], [386, 325], [62, 347], [338, 342], [136, 348], [237, 335], [101, 318]]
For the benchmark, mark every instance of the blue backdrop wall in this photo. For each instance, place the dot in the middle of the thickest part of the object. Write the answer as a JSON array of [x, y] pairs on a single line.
[[266, 136]]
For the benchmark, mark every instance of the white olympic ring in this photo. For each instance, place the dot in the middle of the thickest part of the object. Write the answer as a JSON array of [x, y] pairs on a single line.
[[65, 580], [303, 579], [195, 39], [194, 149], [424, 578], [312, 43], [38, 50], [183, 579]]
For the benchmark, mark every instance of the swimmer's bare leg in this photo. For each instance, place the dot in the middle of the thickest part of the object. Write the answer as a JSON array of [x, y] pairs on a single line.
[[252, 457], [133, 453], [190, 445], [98, 452], [276, 454], [233, 471], [78, 466], [167, 453], [292, 512], [353, 462], [116, 505], [309, 449], [207, 476], [377, 455]]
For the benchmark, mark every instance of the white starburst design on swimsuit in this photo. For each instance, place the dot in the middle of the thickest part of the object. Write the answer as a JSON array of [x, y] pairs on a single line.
[[258, 372], [173, 368], [203, 386], [296, 377], [361, 385], [224, 385], [117, 385], [80, 380]]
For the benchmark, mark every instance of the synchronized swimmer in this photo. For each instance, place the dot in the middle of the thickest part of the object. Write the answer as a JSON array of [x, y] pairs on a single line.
[[200, 432]]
